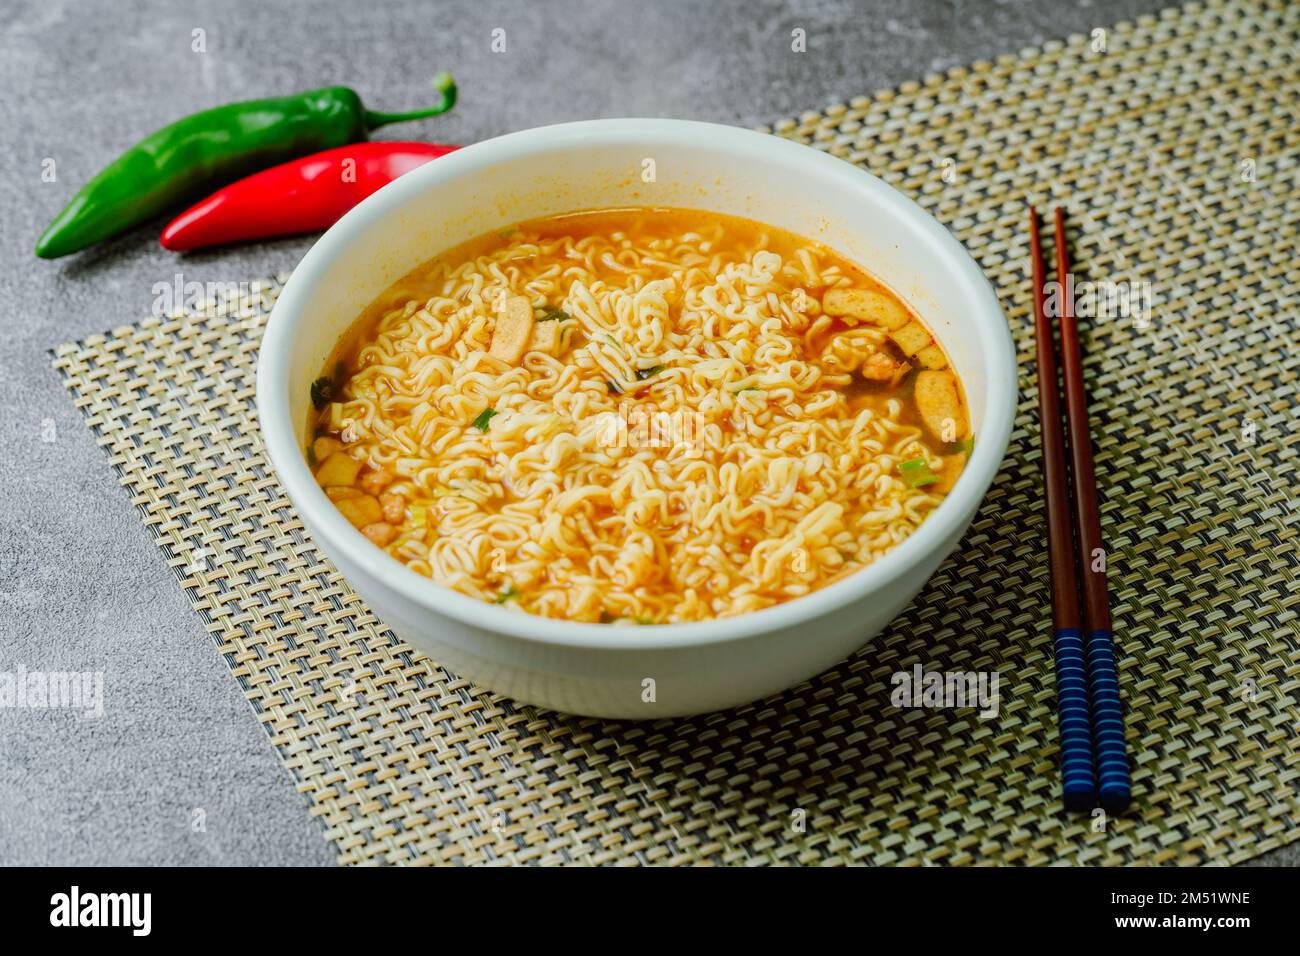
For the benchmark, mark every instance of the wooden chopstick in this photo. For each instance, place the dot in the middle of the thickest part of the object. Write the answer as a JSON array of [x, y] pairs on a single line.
[[1113, 786], [1078, 783]]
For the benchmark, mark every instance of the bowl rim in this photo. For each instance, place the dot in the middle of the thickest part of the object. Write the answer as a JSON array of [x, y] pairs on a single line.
[[287, 318]]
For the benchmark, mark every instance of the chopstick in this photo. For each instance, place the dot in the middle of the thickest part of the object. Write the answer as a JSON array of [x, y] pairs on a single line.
[[1078, 782], [1113, 786]]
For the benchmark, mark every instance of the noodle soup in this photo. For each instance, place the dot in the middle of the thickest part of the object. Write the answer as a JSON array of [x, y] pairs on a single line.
[[639, 416]]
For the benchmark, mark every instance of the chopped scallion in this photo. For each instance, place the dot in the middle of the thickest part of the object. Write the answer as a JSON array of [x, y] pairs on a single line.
[[917, 473], [481, 423]]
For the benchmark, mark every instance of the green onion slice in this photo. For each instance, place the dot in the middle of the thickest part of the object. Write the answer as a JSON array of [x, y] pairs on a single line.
[[917, 473]]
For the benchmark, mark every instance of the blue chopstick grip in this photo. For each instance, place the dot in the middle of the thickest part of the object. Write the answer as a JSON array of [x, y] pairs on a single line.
[[1078, 783], [1107, 723]]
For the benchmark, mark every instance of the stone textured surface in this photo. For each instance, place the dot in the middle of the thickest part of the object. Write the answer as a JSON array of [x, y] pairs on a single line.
[[177, 771]]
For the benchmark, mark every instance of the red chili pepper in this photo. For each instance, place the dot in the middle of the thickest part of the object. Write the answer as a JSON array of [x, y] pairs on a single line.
[[305, 195]]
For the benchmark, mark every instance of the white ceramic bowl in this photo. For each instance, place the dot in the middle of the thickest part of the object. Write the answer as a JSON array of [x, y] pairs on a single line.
[[598, 669]]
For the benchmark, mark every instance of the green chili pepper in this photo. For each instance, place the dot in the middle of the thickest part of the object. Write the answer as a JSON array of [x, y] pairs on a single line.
[[188, 159]]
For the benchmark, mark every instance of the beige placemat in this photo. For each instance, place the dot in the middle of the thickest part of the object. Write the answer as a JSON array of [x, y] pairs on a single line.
[[1175, 152]]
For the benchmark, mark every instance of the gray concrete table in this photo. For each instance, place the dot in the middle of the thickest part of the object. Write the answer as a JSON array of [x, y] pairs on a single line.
[[177, 770]]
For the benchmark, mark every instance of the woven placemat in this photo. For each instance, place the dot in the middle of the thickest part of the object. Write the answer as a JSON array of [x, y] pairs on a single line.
[[1149, 144]]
